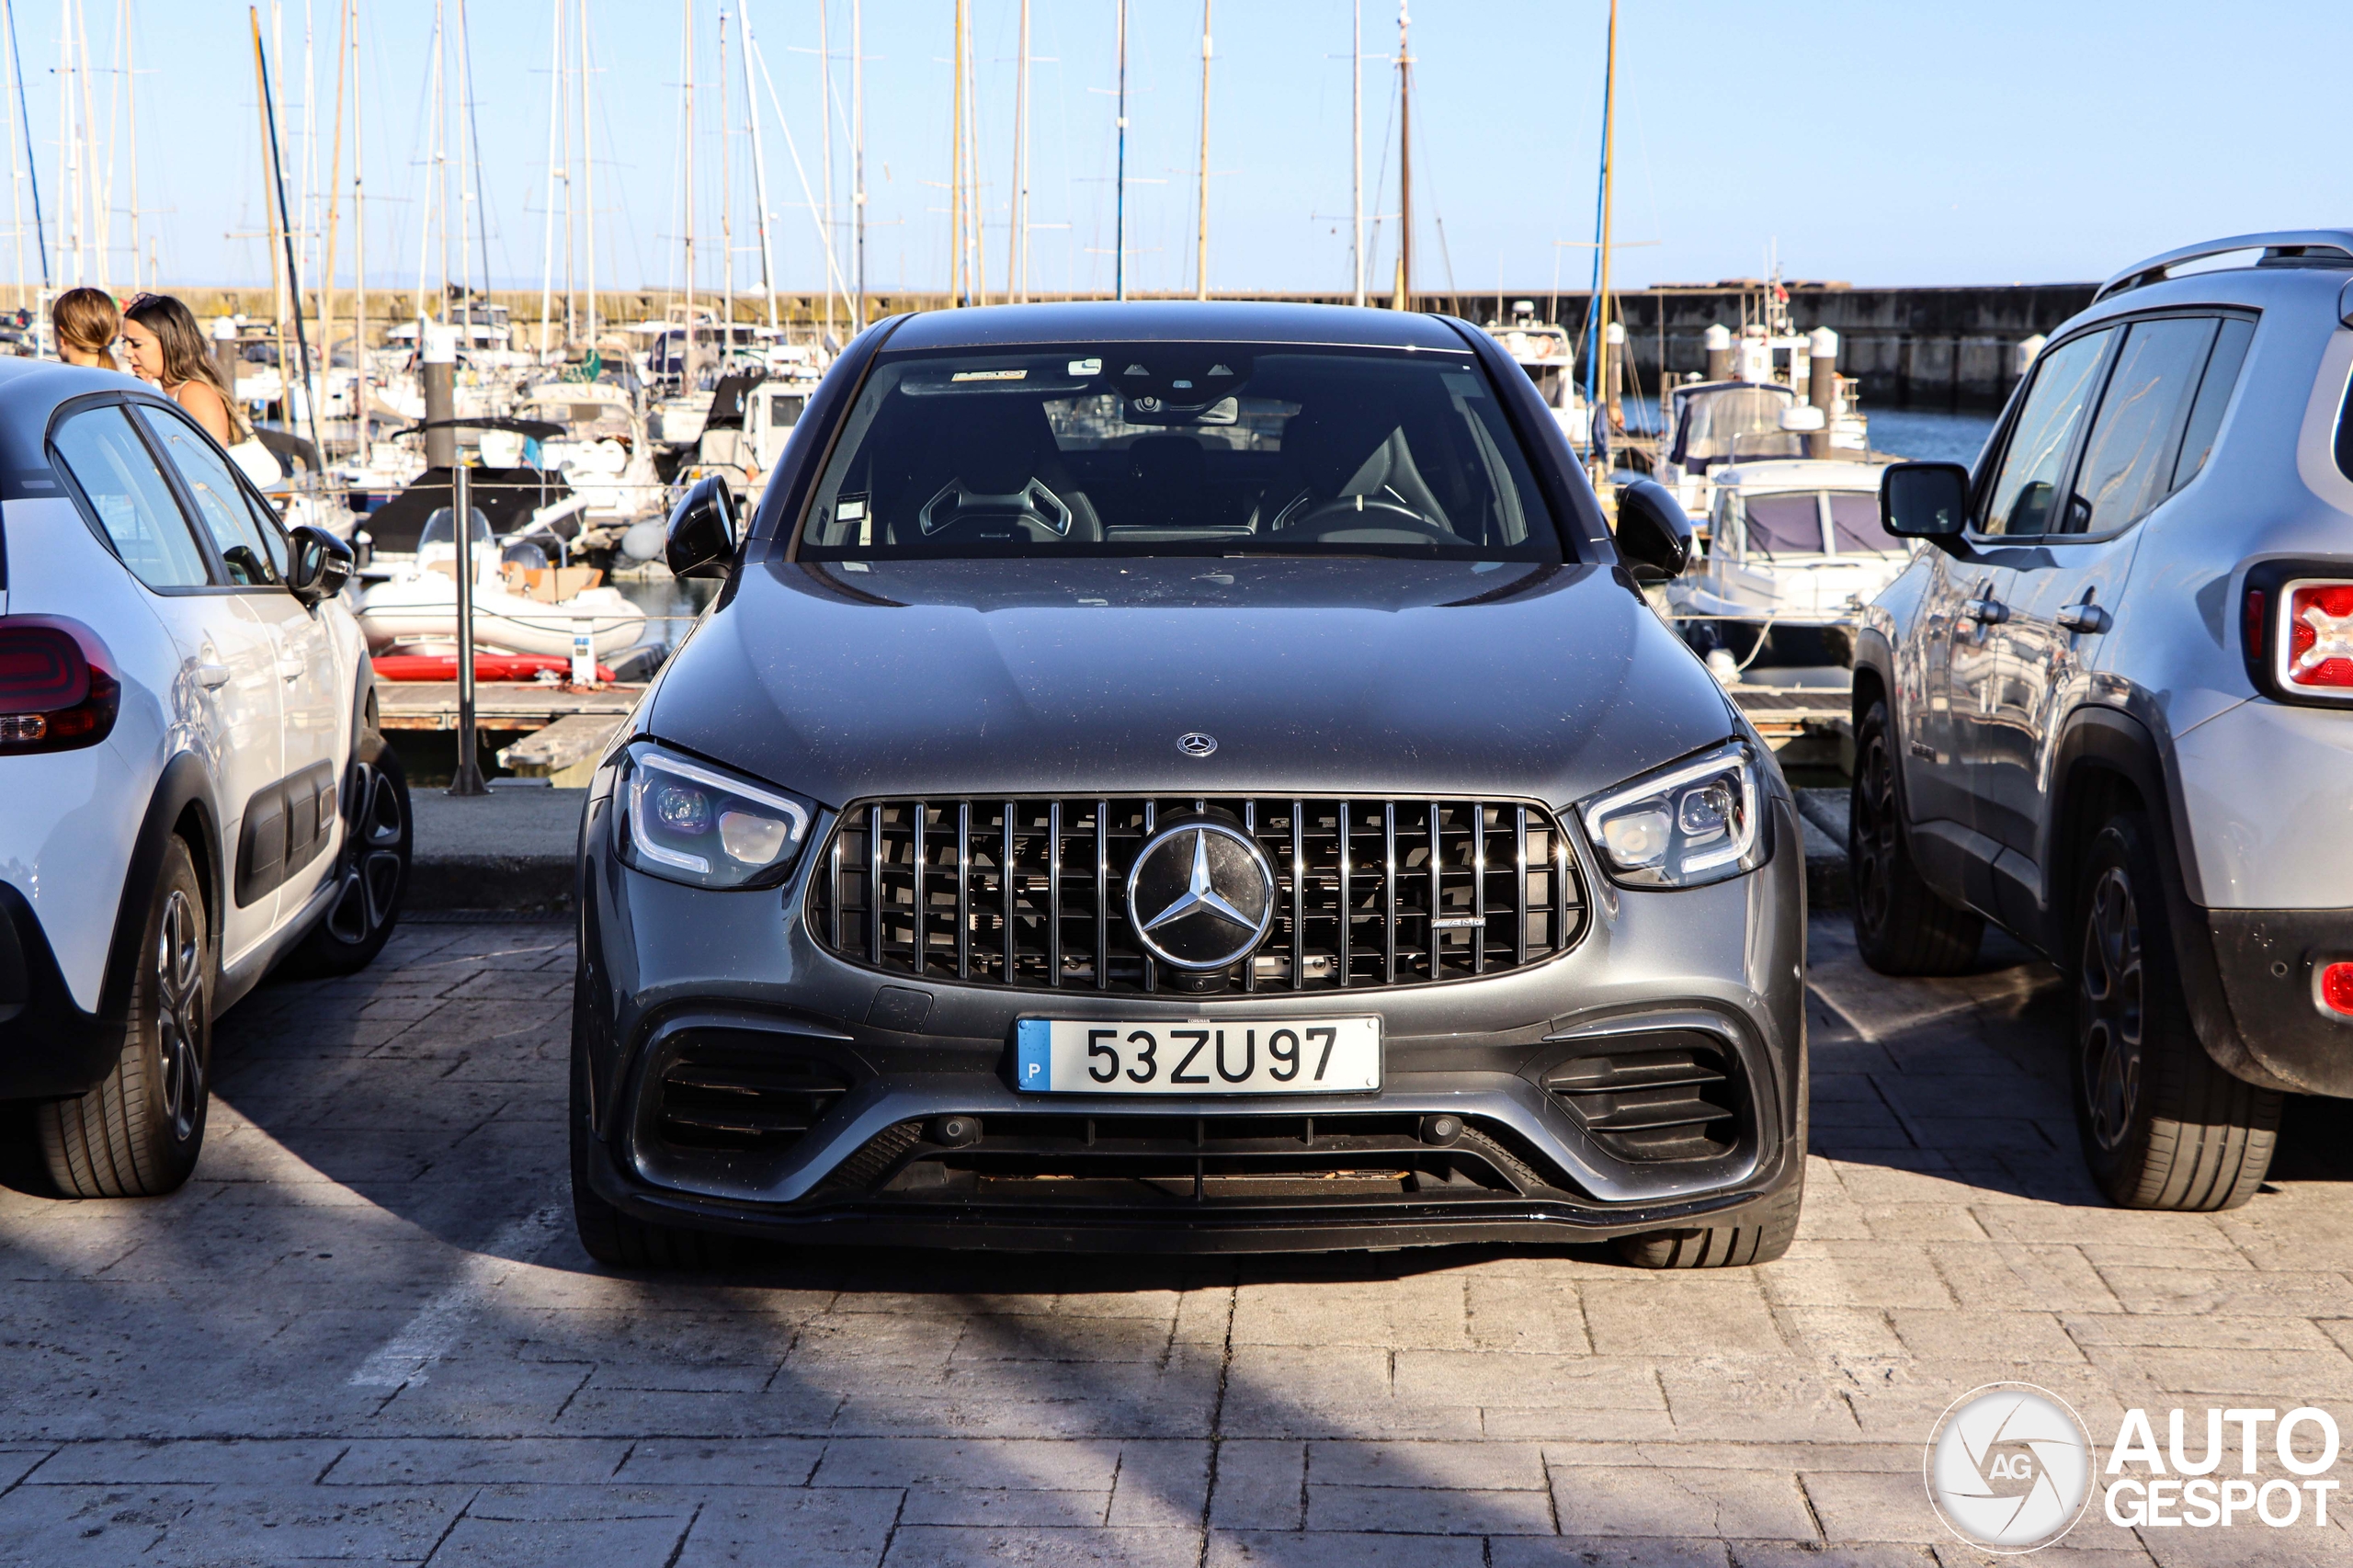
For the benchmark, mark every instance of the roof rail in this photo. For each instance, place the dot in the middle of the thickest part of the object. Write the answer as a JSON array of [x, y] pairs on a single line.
[[2322, 247]]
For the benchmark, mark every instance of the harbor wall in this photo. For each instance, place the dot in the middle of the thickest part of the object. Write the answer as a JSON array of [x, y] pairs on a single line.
[[1917, 347]]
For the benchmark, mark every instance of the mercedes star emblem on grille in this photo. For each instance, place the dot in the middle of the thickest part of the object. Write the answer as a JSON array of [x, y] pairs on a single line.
[[1201, 895], [1192, 742]]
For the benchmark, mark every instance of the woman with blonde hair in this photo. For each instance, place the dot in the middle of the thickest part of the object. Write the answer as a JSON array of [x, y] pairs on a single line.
[[168, 349], [85, 323]]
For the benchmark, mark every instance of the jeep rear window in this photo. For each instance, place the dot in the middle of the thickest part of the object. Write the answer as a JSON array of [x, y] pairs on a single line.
[[1126, 449], [2214, 396]]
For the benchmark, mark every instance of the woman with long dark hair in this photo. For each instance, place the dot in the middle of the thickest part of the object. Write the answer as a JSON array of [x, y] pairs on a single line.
[[168, 349]]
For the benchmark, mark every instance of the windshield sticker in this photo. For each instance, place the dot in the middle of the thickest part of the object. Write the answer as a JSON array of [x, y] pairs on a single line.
[[990, 376], [1086, 367]]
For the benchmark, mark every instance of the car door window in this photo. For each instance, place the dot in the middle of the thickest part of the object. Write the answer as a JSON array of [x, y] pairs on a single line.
[[253, 551], [2127, 456], [2019, 500], [117, 476], [2213, 397]]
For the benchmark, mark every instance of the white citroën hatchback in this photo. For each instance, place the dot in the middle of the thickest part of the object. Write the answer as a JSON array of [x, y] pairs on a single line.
[[192, 786]]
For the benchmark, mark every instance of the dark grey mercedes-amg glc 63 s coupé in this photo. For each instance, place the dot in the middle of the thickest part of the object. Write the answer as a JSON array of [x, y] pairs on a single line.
[[1186, 777]]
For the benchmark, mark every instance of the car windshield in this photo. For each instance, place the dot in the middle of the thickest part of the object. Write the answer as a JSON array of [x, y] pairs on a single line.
[[1123, 448]]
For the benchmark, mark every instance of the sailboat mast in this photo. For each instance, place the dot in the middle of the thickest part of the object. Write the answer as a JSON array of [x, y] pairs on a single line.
[[130, 104], [760, 192], [956, 165], [294, 274], [1017, 267], [335, 205], [273, 213], [1404, 299], [425, 219], [726, 206], [1608, 176], [1355, 113], [688, 365], [359, 253], [972, 272], [1201, 230], [826, 126], [547, 227], [587, 182], [30, 166], [858, 146], [1120, 202]]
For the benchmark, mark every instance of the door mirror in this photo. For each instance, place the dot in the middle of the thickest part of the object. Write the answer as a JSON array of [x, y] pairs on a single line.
[[1654, 535], [702, 534], [1924, 501], [319, 565]]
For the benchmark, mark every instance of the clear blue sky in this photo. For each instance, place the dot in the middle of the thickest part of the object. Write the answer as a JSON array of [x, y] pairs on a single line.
[[1900, 142]]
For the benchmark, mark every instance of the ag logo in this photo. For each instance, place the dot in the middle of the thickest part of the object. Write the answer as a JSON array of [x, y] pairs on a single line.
[[2010, 1468]]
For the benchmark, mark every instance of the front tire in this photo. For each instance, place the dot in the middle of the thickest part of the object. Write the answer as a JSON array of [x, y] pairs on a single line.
[[1902, 924], [1760, 1239], [2163, 1126], [372, 873], [137, 1134]]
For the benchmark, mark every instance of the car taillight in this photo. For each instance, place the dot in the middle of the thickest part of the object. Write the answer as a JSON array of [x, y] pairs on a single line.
[[2316, 651], [2251, 624], [2337, 988], [56, 690]]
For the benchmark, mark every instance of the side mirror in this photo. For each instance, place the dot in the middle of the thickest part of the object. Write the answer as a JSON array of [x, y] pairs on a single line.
[[1653, 534], [703, 531], [1926, 501], [319, 566]]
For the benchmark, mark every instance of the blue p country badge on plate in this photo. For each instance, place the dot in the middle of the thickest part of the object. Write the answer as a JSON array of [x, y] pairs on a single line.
[[1033, 1055]]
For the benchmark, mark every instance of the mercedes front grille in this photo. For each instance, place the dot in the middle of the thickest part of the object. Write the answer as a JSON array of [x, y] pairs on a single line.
[[1032, 893]]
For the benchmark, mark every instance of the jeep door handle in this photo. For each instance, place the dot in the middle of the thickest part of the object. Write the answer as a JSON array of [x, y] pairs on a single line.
[[211, 677], [1985, 612], [2086, 618]]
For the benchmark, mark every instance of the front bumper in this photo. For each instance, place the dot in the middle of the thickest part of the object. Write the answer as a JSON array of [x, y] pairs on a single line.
[[668, 971]]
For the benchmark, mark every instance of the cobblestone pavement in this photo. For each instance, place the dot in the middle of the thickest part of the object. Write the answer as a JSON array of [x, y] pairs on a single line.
[[365, 1332]]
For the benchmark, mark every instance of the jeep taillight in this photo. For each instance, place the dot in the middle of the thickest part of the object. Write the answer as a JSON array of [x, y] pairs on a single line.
[[2337, 988], [57, 691], [2315, 645]]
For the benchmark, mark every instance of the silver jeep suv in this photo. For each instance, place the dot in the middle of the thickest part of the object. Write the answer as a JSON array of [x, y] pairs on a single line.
[[2106, 712]]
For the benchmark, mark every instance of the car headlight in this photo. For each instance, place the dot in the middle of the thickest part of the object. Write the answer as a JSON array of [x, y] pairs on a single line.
[[691, 822], [1692, 823]]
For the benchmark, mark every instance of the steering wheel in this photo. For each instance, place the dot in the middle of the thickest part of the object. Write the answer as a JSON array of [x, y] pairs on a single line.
[[1032, 504], [1354, 511]]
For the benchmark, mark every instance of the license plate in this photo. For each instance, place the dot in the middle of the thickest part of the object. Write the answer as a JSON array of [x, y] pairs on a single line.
[[1194, 1056]]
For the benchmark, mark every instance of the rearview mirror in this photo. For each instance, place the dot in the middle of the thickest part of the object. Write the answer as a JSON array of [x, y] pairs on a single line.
[[1924, 501], [1654, 535], [702, 533], [318, 566]]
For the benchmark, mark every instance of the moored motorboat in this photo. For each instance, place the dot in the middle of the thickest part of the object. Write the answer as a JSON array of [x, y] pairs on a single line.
[[521, 605]]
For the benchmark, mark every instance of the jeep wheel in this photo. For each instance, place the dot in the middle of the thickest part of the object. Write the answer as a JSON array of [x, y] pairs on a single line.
[[138, 1134], [1902, 925], [2162, 1127]]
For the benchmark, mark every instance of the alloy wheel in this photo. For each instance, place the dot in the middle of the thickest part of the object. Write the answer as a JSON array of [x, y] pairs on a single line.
[[179, 1012], [371, 872], [2110, 1009], [1874, 834]]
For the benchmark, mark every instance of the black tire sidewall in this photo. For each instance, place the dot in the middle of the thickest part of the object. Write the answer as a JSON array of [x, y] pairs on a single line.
[[323, 951], [175, 1156], [2124, 844]]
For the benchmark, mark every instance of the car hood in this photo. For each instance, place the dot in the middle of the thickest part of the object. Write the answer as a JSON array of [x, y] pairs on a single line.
[[951, 678]]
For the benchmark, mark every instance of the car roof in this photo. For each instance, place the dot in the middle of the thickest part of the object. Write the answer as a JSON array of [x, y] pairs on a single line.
[[30, 391], [2291, 288], [1174, 320]]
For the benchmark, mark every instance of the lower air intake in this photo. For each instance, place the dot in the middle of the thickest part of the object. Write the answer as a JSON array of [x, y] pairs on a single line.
[[743, 1099], [1669, 1096]]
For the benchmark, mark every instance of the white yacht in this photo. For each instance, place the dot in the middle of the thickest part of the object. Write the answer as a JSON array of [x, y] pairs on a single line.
[[1545, 350]]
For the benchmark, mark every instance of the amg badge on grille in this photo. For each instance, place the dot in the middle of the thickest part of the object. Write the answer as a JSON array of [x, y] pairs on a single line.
[[1192, 742], [1200, 896]]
